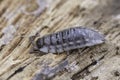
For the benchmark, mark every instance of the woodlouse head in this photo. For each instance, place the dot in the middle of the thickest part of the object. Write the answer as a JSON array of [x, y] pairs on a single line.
[[39, 43]]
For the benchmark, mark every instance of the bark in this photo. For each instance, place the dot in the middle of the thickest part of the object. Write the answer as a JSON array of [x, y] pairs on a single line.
[[20, 19]]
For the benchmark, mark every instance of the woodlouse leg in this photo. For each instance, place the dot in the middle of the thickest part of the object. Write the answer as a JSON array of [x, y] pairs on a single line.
[[68, 53], [58, 53], [79, 51], [82, 51]]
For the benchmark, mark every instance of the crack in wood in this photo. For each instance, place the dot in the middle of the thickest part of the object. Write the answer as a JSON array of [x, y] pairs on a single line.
[[17, 71], [78, 74]]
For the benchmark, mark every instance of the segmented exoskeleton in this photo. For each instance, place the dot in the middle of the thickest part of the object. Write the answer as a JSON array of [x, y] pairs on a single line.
[[68, 39]]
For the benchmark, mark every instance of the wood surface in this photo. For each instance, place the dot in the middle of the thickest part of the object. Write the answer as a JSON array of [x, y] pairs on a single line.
[[18, 23]]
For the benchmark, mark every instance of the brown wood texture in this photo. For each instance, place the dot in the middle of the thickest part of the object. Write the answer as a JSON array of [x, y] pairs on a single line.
[[18, 23]]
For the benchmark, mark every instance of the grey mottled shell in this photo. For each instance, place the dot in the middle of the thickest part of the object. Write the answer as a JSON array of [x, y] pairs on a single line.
[[69, 39]]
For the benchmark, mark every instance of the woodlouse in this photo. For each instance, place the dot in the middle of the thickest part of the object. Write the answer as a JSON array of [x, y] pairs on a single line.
[[68, 39]]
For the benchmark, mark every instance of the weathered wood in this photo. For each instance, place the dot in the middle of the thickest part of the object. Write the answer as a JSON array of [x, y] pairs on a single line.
[[18, 23]]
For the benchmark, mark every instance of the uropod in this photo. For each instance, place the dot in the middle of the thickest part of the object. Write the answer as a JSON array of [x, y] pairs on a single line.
[[66, 40]]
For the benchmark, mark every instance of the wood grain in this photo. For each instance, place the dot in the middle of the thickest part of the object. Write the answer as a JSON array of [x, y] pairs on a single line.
[[99, 62]]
